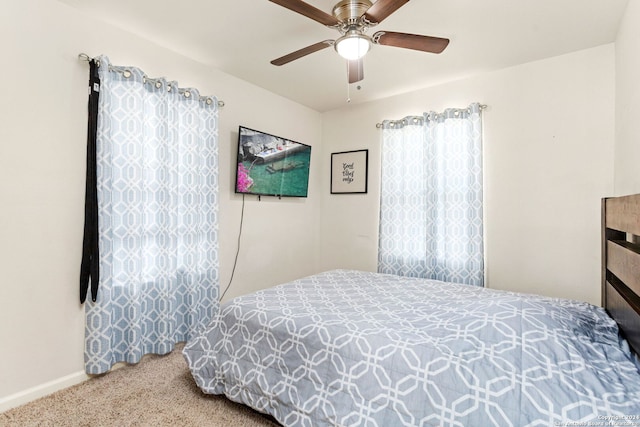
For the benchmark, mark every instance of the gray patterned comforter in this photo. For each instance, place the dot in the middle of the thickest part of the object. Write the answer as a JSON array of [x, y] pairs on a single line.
[[350, 348]]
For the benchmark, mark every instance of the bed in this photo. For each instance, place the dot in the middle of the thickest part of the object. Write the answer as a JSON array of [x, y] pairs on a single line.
[[354, 348]]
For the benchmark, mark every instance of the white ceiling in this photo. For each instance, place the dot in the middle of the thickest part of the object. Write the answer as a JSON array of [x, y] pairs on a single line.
[[240, 37]]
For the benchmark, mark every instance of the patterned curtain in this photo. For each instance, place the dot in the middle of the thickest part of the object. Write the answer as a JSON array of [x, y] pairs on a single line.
[[431, 197], [157, 187]]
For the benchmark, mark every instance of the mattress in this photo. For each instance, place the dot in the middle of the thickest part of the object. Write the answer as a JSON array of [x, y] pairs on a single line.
[[353, 348]]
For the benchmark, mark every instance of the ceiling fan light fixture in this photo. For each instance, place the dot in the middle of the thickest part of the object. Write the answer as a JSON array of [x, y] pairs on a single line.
[[353, 46]]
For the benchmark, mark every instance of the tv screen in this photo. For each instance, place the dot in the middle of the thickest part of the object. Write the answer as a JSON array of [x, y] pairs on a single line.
[[269, 165]]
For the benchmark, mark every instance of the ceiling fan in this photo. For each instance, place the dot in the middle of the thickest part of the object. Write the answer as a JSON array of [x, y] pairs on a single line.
[[352, 18]]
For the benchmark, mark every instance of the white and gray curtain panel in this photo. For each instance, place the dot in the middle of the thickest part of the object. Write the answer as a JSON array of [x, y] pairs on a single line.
[[431, 222], [157, 196]]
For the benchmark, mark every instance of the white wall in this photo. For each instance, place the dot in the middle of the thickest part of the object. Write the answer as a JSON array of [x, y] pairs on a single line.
[[548, 154], [42, 164], [627, 159]]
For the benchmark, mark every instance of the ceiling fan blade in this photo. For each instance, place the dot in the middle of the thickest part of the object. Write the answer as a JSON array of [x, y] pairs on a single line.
[[410, 41], [307, 10], [302, 52], [355, 70], [382, 9]]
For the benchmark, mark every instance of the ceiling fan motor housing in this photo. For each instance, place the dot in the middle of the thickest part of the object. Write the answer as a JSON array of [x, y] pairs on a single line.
[[350, 11]]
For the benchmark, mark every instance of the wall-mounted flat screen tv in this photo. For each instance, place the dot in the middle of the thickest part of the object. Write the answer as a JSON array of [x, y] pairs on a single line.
[[269, 165]]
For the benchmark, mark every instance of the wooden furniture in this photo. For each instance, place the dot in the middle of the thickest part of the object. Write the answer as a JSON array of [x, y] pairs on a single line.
[[621, 264]]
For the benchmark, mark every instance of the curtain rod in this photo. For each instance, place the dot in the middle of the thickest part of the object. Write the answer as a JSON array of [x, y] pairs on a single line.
[[85, 57], [482, 107]]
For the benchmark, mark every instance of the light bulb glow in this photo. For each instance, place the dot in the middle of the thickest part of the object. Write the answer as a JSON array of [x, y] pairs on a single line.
[[352, 46]]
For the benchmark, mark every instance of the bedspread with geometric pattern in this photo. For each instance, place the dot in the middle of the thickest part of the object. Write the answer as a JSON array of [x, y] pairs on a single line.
[[352, 348]]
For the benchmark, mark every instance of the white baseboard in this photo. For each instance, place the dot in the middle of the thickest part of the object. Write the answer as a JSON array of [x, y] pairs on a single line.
[[36, 392]]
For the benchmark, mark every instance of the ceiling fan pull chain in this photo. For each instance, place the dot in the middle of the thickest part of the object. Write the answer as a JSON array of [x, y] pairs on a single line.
[[348, 86]]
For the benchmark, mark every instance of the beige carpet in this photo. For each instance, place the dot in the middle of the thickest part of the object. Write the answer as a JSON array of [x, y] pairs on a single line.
[[158, 391]]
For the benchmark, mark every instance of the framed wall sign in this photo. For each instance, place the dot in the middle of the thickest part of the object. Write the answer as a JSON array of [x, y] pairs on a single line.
[[349, 172]]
